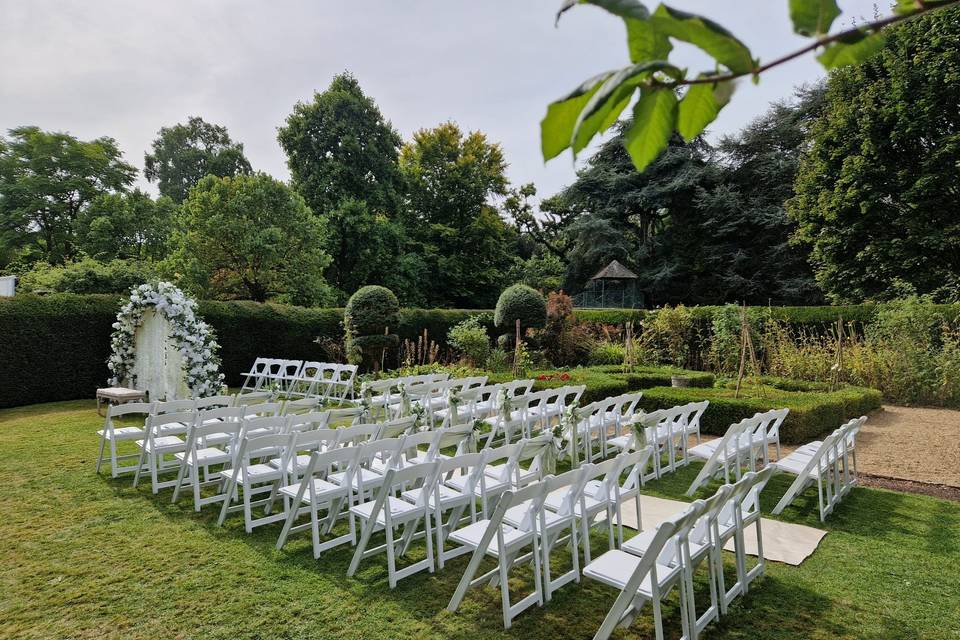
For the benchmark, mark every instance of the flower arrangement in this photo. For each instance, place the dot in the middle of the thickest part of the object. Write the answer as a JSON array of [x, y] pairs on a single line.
[[564, 376], [194, 337]]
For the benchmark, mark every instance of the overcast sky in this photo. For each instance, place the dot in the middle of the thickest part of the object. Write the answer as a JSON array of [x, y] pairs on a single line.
[[124, 68]]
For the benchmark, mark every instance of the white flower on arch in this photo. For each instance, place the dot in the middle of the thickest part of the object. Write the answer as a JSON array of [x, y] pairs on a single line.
[[194, 337]]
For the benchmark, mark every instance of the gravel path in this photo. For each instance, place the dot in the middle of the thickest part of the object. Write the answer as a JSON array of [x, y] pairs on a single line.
[[912, 443]]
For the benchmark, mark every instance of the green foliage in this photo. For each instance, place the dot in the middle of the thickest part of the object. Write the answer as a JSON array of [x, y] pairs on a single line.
[[596, 104], [367, 318], [126, 226], [371, 310], [498, 361], [85, 275], [185, 153], [646, 377], [668, 335], [520, 302], [606, 352], [465, 246], [542, 272], [471, 340], [704, 224], [876, 193], [47, 180], [342, 154], [249, 237], [54, 347], [812, 414]]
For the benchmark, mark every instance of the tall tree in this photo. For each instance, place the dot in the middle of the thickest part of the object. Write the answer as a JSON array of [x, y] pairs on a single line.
[[342, 155], [249, 237], [451, 180], [125, 226], [184, 153], [877, 193], [47, 179]]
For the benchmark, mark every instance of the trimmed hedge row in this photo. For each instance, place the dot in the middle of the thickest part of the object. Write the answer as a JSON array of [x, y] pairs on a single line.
[[55, 347], [812, 414], [599, 385], [647, 377]]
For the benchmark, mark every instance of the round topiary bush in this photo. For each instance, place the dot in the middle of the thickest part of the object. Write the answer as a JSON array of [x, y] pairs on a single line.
[[369, 314], [523, 303], [371, 310]]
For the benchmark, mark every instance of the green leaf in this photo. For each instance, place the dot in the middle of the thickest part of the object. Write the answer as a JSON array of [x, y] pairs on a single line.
[[709, 36], [632, 9], [851, 50], [645, 42], [653, 119], [700, 106], [605, 106], [556, 128], [813, 17]]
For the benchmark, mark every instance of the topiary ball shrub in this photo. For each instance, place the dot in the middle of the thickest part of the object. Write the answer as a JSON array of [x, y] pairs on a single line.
[[371, 310], [523, 303], [369, 313]]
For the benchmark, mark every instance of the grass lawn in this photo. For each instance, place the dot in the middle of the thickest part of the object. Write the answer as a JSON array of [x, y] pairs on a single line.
[[88, 557]]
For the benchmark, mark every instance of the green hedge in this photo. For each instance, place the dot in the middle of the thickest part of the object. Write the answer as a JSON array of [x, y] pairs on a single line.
[[647, 377], [812, 414], [599, 385], [55, 347]]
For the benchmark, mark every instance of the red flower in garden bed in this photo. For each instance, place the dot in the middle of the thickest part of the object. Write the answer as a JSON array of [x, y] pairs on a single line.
[[544, 377]]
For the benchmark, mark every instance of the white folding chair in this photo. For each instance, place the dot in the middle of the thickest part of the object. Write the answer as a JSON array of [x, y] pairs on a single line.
[[162, 439], [565, 492], [493, 537], [314, 492], [254, 378], [344, 379], [214, 402], [649, 577], [444, 498], [388, 511], [263, 409], [247, 478], [199, 455], [823, 463], [111, 434]]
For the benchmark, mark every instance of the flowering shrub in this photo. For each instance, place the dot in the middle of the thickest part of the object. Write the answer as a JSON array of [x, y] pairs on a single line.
[[193, 337], [563, 377]]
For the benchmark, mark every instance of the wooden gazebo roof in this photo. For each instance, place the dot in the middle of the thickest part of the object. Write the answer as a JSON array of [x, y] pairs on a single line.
[[615, 271]]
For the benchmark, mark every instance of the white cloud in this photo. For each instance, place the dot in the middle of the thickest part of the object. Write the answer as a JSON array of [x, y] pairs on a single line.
[[125, 68]]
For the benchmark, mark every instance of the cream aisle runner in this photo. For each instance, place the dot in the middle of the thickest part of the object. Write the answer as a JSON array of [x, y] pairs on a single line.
[[782, 541]]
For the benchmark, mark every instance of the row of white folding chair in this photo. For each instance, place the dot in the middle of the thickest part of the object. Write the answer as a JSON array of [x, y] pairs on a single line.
[[213, 439], [166, 434], [538, 516], [301, 378], [111, 434], [481, 402], [375, 456], [410, 489], [831, 464], [649, 566], [384, 394], [532, 413], [327, 380], [744, 444], [433, 396], [667, 430], [597, 419]]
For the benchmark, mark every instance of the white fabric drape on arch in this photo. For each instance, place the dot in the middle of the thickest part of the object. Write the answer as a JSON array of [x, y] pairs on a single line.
[[158, 364]]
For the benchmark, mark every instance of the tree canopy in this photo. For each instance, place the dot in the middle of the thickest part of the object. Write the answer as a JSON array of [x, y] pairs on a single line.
[[342, 155], [184, 153], [47, 179], [451, 219], [249, 237], [876, 195]]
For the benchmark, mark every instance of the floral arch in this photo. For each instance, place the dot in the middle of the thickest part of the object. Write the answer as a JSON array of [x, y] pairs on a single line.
[[192, 338]]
